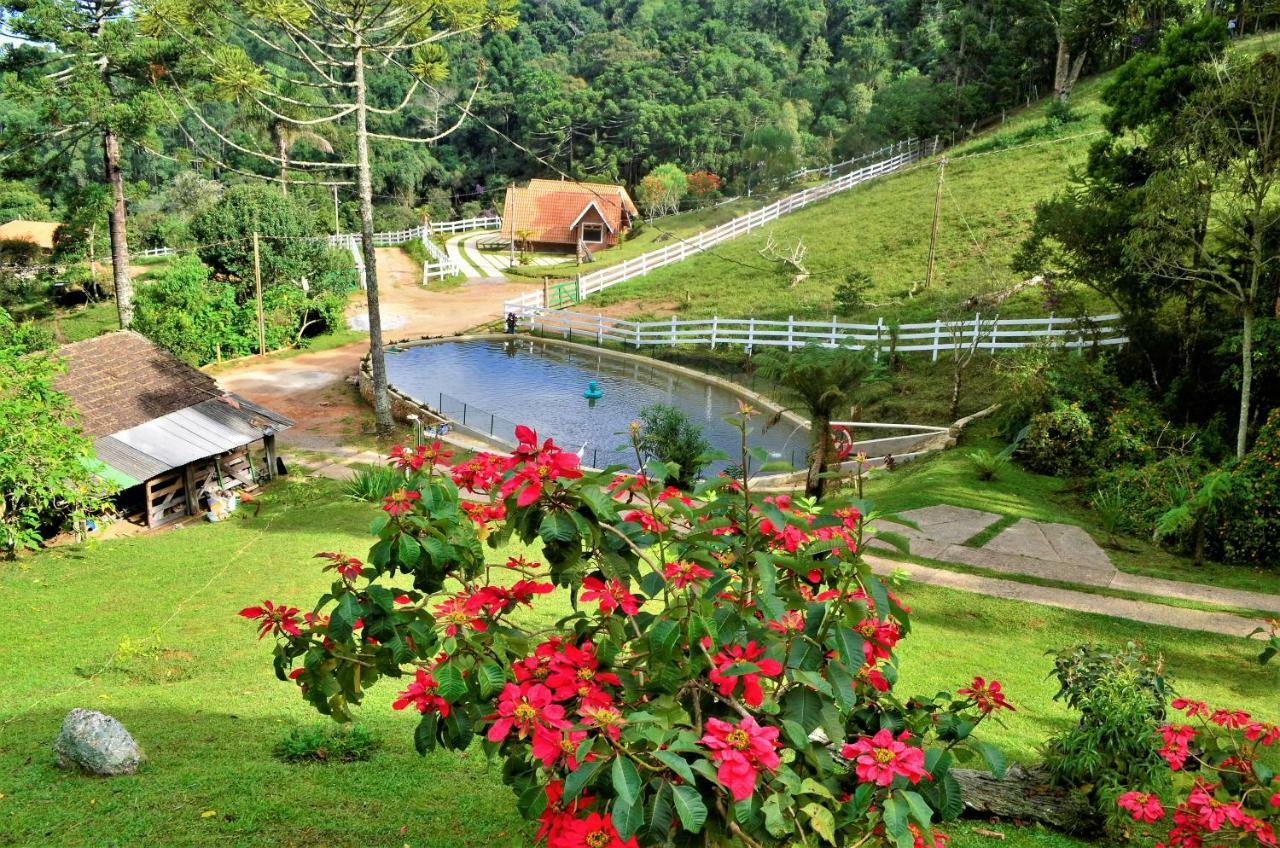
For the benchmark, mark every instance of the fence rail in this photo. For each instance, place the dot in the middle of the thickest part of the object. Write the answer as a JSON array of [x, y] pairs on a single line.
[[155, 251], [491, 222], [979, 333], [892, 158], [443, 266]]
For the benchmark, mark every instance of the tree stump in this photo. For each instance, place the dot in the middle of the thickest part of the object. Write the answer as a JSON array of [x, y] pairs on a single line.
[[1027, 795]]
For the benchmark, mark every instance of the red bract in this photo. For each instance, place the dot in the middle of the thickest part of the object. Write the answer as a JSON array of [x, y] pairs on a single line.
[[400, 502], [415, 459], [1141, 806], [879, 759], [496, 600], [1191, 708], [458, 613], [740, 753], [605, 719], [348, 567], [535, 468], [575, 673], [611, 596], [671, 493], [681, 574], [1177, 738], [557, 748], [276, 618], [987, 697], [557, 815], [594, 831], [939, 838], [524, 708], [479, 473], [727, 681], [484, 513], [422, 694], [791, 622], [645, 520], [878, 639], [536, 667]]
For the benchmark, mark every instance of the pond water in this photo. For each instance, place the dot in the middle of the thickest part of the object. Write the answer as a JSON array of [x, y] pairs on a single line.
[[495, 384]]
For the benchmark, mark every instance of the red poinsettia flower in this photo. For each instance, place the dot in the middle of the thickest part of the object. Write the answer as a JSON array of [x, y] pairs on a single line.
[[987, 697], [400, 502], [940, 839], [611, 596], [596, 830], [536, 467], [414, 459], [556, 748], [879, 759], [869, 675], [479, 473], [1177, 741], [740, 753], [524, 707], [458, 613], [496, 600], [878, 639], [536, 667], [645, 520], [276, 618], [557, 815], [671, 493], [422, 694], [727, 681], [1142, 806], [603, 718], [1192, 708], [348, 567], [682, 573], [575, 673], [792, 621]]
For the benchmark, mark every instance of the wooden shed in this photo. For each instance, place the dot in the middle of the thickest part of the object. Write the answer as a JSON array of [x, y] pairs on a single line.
[[163, 431]]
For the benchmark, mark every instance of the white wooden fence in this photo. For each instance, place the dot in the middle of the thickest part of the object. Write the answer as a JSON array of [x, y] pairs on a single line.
[[491, 222], [155, 251], [990, 334], [443, 267], [829, 170], [896, 157]]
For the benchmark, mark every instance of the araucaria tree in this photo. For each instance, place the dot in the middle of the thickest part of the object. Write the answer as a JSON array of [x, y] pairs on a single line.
[[724, 676], [89, 82], [820, 381], [331, 47]]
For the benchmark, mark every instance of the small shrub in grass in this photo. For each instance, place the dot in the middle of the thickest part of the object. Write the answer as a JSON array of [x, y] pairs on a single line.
[[1108, 506], [373, 484], [1121, 697], [1059, 442], [987, 465], [318, 743]]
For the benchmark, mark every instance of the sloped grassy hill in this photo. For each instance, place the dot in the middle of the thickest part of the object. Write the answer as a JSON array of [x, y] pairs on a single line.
[[991, 186]]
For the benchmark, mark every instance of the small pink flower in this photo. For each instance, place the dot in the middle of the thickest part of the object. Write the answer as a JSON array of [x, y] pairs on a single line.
[[1141, 806], [881, 758]]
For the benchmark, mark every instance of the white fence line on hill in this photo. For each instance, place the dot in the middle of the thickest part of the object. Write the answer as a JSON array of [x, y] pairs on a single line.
[[154, 251], [491, 222], [444, 265], [990, 334], [895, 157]]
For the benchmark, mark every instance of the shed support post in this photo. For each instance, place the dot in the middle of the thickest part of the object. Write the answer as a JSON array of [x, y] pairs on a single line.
[[269, 447], [189, 488]]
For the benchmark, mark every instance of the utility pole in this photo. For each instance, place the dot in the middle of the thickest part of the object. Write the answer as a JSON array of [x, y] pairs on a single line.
[[337, 230], [933, 232], [257, 293]]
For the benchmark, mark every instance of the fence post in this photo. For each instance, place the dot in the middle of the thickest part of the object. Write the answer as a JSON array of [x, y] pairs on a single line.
[[713, 331], [994, 326], [1053, 340], [977, 322], [599, 329], [937, 337], [791, 320], [833, 331], [879, 335], [637, 335], [673, 331], [751, 335]]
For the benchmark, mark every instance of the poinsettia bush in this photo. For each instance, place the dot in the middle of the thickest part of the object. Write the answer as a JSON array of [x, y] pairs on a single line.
[[1232, 797], [725, 675]]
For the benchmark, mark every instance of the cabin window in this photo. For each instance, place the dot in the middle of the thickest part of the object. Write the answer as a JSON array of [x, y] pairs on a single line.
[[593, 233]]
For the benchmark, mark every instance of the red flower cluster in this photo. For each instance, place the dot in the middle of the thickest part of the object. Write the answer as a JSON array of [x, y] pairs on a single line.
[[1177, 742], [682, 574], [422, 694], [987, 697], [479, 473], [791, 537], [611, 596], [1203, 813], [879, 759], [740, 753], [533, 467], [348, 567], [727, 681], [415, 459], [572, 826], [1142, 806], [400, 502], [275, 618]]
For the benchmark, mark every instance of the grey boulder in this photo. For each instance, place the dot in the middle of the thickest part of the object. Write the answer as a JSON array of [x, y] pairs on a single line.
[[96, 744]]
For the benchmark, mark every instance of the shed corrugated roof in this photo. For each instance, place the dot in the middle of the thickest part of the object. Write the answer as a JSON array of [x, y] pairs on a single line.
[[549, 208]]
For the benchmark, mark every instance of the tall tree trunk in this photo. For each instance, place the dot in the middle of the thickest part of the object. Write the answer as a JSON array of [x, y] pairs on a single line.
[[1246, 379], [1061, 68], [815, 485], [119, 237], [377, 359], [282, 150]]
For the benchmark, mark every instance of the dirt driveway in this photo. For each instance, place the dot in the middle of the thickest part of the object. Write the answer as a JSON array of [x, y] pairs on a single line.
[[312, 388]]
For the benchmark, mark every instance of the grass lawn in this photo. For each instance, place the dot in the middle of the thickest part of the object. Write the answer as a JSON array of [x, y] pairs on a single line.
[[196, 689]]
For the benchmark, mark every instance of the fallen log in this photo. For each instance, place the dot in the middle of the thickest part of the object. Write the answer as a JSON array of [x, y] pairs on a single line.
[[1027, 795]]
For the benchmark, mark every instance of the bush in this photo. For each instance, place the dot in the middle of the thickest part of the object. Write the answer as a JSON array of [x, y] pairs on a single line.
[[851, 292], [194, 318], [1121, 698], [315, 743], [1059, 442], [987, 465], [1251, 522], [667, 435], [1148, 491], [1130, 434], [373, 484]]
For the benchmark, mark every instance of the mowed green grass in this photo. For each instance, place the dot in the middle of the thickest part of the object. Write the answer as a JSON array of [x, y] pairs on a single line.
[[211, 779]]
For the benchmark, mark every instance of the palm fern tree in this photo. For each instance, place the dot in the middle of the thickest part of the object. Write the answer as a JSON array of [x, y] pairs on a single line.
[[820, 381]]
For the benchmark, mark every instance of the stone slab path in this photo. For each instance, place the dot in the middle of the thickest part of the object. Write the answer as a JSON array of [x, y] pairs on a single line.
[[1063, 553]]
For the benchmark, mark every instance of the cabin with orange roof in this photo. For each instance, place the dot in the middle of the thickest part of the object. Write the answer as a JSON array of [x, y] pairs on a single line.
[[560, 215]]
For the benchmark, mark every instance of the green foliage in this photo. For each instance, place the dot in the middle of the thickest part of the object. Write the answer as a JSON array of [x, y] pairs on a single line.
[[1060, 442], [45, 481], [1146, 492], [1121, 697], [851, 293], [668, 435], [18, 201], [1250, 521], [662, 190], [284, 224], [326, 743], [372, 484], [987, 465]]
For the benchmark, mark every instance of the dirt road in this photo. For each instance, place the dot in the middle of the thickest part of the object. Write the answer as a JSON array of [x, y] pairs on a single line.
[[312, 388]]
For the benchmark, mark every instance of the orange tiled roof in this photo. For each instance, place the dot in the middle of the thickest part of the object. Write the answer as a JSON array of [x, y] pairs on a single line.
[[550, 208], [40, 232]]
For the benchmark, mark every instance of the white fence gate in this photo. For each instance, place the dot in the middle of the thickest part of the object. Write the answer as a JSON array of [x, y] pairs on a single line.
[[990, 334]]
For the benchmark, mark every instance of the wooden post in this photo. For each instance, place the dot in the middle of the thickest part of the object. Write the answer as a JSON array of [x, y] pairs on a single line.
[[257, 293], [269, 447], [879, 337], [713, 331], [994, 325], [977, 323], [933, 230], [937, 337], [189, 489]]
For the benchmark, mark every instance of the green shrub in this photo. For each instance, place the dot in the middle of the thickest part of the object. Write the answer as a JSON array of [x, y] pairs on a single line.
[[1108, 506], [1121, 698], [331, 743], [987, 465], [1250, 526], [668, 435], [193, 317], [1129, 434], [1059, 442], [374, 483], [851, 293], [1148, 491]]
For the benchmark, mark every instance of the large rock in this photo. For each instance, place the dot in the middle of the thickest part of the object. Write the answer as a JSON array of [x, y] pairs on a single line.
[[96, 744]]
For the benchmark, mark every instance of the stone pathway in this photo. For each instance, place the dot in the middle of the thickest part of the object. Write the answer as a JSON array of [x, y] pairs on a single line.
[[477, 264], [1064, 553]]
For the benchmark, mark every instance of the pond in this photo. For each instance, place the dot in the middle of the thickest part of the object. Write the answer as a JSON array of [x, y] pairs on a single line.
[[490, 385]]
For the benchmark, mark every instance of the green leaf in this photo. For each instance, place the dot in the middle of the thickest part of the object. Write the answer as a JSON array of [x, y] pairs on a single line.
[[993, 757], [804, 707], [919, 809], [663, 636], [580, 777], [767, 590], [626, 780], [491, 678], [689, 806], [809, 786], [450, 684], [628, 817], [879, 595], [344, 618], [895, 822], [821, 820], [660, 815], [850, 645], [774, 821], [407, 551], [379, 521], [424, 735], [557, 527], [676, 763], [842, 685], [894, 540]]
